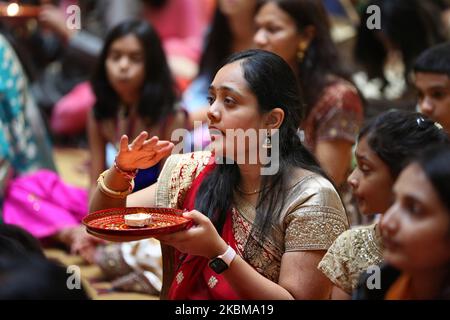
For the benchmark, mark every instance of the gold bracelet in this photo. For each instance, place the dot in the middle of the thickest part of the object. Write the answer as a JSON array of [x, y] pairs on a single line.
[[112, 193]]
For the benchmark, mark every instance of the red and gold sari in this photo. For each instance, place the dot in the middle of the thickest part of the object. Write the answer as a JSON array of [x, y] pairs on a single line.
[[194, 280], [311, 220]]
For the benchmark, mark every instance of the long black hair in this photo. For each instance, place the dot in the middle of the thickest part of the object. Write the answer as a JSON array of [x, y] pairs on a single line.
[[217, 46], [158, 95], [274, 84], [411, 25], [321, 58], [397, 137]]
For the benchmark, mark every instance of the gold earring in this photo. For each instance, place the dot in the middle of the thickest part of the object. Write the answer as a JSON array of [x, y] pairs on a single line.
[[267, 141], [302, 47]]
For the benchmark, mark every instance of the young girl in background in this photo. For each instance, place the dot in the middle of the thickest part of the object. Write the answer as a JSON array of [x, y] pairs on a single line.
[[385, 146], [134, 92]]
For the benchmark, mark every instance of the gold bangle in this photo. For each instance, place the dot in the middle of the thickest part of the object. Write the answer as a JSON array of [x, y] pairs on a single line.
[[112, 193]]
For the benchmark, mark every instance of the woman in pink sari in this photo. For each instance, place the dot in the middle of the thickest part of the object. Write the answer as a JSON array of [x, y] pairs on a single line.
[[261, 223]]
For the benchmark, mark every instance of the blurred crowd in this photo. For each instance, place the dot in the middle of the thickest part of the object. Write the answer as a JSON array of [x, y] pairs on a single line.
[[373, 100]]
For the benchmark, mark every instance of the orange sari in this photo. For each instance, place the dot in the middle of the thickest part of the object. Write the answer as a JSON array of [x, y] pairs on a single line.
[[400, 289]]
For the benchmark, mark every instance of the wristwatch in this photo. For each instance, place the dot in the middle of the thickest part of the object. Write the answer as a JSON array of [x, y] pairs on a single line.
[[221, 263]]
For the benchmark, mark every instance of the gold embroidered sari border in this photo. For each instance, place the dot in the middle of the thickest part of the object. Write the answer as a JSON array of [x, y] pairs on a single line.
[[164, 180], [340, 280]]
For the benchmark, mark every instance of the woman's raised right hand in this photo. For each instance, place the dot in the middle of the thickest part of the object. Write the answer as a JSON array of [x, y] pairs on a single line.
[[142, 153]]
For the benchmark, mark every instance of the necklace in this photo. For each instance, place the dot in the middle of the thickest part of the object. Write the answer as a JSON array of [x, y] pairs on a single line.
[[248, 192]]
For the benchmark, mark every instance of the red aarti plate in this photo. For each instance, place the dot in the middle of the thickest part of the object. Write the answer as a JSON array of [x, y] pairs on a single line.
[[110, 225]]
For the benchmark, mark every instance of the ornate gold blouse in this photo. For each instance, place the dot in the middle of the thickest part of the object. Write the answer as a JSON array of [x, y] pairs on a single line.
[[312, 218], [351, 254]]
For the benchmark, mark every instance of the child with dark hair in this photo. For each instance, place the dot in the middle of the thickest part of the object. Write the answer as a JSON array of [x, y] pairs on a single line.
[[416, 233], [24, 144], [300, 32], [26, 156], [181, 42], [134, 91], [432, 81], [231, 30], [385, 147]]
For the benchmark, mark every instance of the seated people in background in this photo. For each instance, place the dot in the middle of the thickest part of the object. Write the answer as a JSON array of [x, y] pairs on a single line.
[[432, 81], [30, 194], [24, 144], [299, 31], [134, 92], [416, 233], [74, 49], [274, 222], [385, 146], [63, 88], [181, 42]]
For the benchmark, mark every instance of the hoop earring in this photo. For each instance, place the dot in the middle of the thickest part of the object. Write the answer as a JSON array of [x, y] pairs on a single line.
[[267, 141]]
